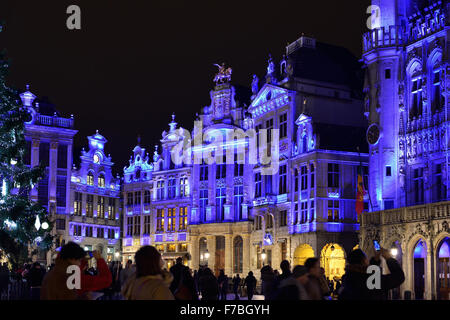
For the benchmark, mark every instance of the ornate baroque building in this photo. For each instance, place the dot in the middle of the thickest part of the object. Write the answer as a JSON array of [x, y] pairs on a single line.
[[407, 84]]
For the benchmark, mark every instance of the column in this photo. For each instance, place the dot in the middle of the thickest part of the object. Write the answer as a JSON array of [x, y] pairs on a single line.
[[429, 274], [228, 254], [34, 162], [211, 245], [53, 169], [194, 250], [69, 176], [246, 267]]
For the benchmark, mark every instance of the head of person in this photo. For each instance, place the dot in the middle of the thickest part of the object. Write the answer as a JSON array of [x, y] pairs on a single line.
[[148, 262], [322, 271], [72, 253], [285, 266], [129, 263], [179, 260], [266, 270], [313, 266], [221, 272], [358, 257], [300, 273], [250, 273]]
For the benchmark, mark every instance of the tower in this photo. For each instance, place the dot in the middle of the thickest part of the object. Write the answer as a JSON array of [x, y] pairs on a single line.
[[382, 55]]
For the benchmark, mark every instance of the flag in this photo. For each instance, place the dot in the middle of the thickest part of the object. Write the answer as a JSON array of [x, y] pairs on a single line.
[[360, 194]]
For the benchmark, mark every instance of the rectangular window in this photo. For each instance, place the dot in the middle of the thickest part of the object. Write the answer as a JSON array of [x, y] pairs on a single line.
[[238, 169], [147, 220], [283, 179], [312, 212], [130, 198], [269, 127], [387, 73], [171, 219], [417, 103], [77, 230], [295, 219], [89, 205], [43, 191], [283, 126], [89, 231], [137, 226], [137, 197], [304, 176], [388, 171], [440, 191], [203, 203], [221, 171], [238, 199], [296, 180], [111, 234], [333, 211], [182, 225], [220, 201], [129, 226], [160, 190], [304, 212], [44, 153], [204, 172], [160, 220], [147, 197], [258, 222], [77, 203], [438, 99], [62, 156], [27, 155], [111, 208], [100, 233], [333, 175], [184, 187], [258, 185], [172, 188], [100, 207], [283, 218], [418, 185], [60, 224], [313, 175]]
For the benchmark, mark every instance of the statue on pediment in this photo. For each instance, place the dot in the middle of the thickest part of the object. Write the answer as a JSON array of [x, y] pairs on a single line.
[[224, 74]]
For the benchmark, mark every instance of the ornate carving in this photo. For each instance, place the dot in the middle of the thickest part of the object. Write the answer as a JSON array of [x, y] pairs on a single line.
[[224, 74]]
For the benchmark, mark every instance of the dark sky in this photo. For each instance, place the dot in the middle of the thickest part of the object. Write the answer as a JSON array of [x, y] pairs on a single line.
[[133, 63]]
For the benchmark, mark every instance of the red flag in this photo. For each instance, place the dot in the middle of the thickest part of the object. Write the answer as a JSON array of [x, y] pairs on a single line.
[[360, 195]]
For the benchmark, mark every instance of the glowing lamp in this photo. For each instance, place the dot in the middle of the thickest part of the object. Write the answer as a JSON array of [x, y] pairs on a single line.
[[206, 254], [117, 254], [394, 251], [13, 162], [44, 225], [263, 255]]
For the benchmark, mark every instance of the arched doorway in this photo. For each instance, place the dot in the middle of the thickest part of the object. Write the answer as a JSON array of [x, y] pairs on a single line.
[[238, 256], [202, 249], [219, 254], [301, 253], [332, 259], [419, 256], [443, 269]]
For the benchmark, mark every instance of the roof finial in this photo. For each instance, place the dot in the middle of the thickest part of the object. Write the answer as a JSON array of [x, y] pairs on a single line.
[[139, 140], [27, 86], [173, 117], [96, 131]]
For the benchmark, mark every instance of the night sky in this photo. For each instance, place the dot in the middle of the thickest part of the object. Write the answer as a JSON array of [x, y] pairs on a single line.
[[134, 63]]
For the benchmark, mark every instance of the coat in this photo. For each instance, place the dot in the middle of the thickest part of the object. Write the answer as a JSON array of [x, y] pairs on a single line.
[[98, 282], [313, 288], [54, 285], [291, 289], [154, 287], [354, 283]]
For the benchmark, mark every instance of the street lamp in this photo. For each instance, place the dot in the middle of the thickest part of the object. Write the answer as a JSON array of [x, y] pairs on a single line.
[[263, 255], [394, 250], [206, 254]]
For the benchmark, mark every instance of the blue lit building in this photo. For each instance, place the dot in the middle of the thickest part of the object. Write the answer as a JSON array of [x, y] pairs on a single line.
[[94, 212], [49, 138], [406, 86]]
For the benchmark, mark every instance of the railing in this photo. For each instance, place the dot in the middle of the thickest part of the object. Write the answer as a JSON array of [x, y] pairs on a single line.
[[439, 210], [54, 121], [383, 37]]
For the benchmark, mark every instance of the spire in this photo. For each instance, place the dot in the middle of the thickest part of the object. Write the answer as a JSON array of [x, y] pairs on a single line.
[[173, 124]]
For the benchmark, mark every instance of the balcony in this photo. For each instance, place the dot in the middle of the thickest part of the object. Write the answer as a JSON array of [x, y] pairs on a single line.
[[383, 37], [54, 121]]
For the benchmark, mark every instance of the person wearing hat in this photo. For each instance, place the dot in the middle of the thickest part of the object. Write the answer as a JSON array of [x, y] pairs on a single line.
[[293, 287]]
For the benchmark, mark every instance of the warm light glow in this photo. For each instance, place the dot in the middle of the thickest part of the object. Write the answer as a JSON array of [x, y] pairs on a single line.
[[13, 162], [263, 255], [207, 255], [45, 225], [37, 224], [394, 252], [117, 254]]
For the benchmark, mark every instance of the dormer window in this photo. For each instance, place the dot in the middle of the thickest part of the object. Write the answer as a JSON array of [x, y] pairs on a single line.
[[90, 179]]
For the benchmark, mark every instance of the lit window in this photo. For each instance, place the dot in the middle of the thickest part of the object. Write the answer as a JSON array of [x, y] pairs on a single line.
[[183, 219], [160, 220], [90, 179], [101, 181]]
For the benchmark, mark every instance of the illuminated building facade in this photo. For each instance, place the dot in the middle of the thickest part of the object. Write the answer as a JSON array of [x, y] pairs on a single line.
[[49, 139], [407, 84], [94, 219]]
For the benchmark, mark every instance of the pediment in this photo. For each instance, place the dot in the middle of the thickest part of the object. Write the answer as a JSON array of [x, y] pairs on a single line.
[[267, 93]]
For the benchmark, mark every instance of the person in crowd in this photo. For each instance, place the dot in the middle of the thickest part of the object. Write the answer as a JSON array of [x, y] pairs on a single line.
[[127, 272], [354, 281], [186, 289], [223, 285], [285, 272], [34, 278], [195, 276], [338, 286], [100, 281], [250, 283], [324, 284], [236, 283], [293, 287], [268, 282], [4, 279], [276, 273], [176, 271], [209, 285], [54, 285], [149, 282], [314, 287]]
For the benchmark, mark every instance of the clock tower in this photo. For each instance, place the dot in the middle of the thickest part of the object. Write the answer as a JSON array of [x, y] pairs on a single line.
[[382, 55]]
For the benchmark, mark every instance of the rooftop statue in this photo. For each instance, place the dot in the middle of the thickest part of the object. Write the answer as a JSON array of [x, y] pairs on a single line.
[[224, 74]]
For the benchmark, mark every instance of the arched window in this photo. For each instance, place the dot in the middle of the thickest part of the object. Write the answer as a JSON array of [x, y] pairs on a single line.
[[90, 179], [269, 221], [202, 250], [305, 144], [101, 180], [238, 254]]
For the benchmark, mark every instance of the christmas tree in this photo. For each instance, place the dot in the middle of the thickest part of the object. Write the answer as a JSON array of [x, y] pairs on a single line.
[[24, 224]]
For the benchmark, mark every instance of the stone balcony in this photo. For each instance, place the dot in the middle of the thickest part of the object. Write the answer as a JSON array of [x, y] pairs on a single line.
[[383, 38]]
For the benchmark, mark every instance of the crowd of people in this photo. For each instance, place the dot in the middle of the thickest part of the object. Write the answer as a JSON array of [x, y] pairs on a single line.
[[147, 279]]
